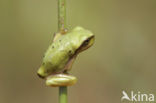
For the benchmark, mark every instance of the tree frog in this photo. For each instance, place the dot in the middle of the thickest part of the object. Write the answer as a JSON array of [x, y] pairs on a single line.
[[61, 54]]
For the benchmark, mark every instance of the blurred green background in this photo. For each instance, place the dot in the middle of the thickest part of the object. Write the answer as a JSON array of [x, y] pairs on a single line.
[[122, 58]]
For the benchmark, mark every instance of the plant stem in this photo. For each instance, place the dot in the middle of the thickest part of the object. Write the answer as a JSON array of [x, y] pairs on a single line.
[[61, 27], [61, 15], [63, 94]]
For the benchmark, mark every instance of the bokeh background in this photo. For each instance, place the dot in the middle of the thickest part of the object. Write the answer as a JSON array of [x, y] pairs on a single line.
[[122, 58]]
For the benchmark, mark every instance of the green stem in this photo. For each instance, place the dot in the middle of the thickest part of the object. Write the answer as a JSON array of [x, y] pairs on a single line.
[[61, 27], [63, 94], [61, 15]]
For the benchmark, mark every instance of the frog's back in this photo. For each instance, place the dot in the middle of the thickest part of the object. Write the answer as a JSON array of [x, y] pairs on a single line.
[[58, 55]]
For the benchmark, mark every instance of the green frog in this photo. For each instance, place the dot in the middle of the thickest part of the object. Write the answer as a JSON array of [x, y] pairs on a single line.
[[61, 54]]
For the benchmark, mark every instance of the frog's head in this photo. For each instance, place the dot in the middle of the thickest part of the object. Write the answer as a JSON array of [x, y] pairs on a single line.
[[83, 39]]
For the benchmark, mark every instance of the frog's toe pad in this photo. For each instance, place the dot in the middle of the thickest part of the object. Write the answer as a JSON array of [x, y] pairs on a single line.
[[61, 80]]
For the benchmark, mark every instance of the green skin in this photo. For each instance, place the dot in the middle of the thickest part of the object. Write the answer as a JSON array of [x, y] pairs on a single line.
[[62, 52]]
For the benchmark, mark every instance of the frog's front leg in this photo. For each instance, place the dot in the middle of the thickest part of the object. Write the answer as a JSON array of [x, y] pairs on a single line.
[[69, 64], [61, 80]]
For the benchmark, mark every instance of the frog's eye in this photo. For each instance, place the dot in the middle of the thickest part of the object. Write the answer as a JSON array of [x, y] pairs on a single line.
[[86, 42]]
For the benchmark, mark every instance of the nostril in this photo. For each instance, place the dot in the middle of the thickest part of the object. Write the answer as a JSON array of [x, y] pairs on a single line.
[[40, 76]]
